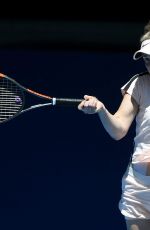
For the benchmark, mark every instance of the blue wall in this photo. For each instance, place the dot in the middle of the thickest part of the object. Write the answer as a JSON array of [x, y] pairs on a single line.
[[59, 169]]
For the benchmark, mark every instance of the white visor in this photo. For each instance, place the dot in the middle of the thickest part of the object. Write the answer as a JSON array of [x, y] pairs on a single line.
[[145, 49]]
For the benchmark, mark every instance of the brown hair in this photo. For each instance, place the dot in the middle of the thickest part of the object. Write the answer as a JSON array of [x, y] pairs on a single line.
[[146, 32]]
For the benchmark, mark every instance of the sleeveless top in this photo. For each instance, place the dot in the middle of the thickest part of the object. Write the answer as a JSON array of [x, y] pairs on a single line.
[[139, 88]]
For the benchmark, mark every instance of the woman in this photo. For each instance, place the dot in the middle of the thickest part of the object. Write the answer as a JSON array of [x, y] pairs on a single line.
[[135, 199]]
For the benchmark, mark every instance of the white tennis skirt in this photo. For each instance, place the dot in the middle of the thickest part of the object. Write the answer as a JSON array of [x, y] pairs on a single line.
[[135, 198]]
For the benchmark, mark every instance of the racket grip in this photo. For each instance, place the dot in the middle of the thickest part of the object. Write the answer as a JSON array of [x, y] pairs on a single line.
[[66, 101]]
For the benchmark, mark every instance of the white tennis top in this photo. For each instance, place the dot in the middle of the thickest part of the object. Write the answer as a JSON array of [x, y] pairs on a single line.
[[139, 88]]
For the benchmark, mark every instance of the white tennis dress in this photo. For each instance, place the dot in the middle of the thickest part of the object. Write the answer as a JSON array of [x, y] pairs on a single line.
[[135, 198]]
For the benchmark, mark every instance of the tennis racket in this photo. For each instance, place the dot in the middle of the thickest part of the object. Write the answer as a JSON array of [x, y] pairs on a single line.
[[13, 99]]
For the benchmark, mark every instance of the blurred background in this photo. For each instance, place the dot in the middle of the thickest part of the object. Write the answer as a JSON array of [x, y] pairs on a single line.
[[59, 169]]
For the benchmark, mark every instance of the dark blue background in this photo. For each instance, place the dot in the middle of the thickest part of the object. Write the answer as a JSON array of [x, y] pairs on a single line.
[[59, 169]]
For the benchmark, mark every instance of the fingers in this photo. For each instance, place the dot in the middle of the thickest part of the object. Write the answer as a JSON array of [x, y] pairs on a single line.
[[81, 105], [87, 97], [89, 105], [84, 103]]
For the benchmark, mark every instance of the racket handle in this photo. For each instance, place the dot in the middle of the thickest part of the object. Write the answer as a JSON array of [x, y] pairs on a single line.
[[66, 101]]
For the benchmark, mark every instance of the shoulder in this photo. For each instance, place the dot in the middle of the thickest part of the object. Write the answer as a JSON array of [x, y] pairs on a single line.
[[143, 78], [136, 84], [137, 79], [143, 75], [139, 76]]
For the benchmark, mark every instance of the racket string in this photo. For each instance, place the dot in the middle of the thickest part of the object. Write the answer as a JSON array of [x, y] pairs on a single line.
[[11, 99]]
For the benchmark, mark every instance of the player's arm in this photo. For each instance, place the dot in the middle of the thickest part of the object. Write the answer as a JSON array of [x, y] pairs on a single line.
[[118, 124]]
